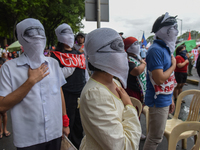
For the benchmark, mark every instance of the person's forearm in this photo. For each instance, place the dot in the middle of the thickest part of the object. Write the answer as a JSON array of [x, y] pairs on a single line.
[[138, 70], [168, 72], [16, 96], [141, 67], [63, 103], [160, 77], [181, 65]]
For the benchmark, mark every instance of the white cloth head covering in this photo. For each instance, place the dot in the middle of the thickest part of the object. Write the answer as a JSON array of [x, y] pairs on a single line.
[[131, 45], [169, 35], [105, 50], [65, 34], [31, 35], [168, 32], [135, 49]]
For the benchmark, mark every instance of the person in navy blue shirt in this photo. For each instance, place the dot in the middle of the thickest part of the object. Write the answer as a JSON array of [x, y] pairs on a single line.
[[160, 78]]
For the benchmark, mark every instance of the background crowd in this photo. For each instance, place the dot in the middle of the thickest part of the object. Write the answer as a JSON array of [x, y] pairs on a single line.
[[91, 78]]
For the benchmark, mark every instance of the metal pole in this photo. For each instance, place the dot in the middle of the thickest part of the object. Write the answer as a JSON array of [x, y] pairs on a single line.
[[181, 27], [98, 13]]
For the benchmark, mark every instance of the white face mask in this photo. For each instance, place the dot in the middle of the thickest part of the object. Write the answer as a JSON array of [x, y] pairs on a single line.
[[31, 36], [65, 34], [107, 55], [169, 35], [135, 49]]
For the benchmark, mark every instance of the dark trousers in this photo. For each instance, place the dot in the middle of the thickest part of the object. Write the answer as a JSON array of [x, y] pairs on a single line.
[[76, 129], [51, 145], [190, 66]]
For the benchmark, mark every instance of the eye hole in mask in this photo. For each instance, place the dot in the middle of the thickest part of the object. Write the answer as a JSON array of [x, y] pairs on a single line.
[[136, 43], [66, 31], [33, 31], [173, 29], [117, 46]]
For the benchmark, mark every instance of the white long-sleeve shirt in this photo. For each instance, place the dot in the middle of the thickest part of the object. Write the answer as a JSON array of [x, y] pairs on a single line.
[[108, 125]]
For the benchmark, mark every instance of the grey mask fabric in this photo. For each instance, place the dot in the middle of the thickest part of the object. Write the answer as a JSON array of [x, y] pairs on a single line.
[[135, 49], [31, 36], [169, 35], [105, 51], [65, 34]]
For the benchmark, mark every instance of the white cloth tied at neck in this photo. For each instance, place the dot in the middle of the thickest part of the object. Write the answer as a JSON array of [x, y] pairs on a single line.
[[169, 35], [105, 51], [31, 36], [65, 34], [135, 49]]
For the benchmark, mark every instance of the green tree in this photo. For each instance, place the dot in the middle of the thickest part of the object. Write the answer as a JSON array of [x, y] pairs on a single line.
[[150, 39], [50, 12], [194, 35]]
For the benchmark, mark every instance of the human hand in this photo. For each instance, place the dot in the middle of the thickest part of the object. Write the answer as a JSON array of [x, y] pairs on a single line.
[[173, 60], [186, 61], [172, 107], [142, 61], [81, 50], [66, 131], [35, 75], [124, 96]]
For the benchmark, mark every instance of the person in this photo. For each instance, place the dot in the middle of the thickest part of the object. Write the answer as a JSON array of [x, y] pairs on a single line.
[[108, 117], [9, 56], [181, 70], [136, 82], [68, 57], [1, 50], [191, 59], [3, 129], [33, 92], [5, 56], [2, 61], [160, 78], [15, 55], [79, 46], [198, 68], [121, 34], [47, 53], [143, 52], [5, 49]]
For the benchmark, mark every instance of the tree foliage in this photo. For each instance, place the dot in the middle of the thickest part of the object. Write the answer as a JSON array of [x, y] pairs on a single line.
[[150, 39], [194, 35], [51, 13]]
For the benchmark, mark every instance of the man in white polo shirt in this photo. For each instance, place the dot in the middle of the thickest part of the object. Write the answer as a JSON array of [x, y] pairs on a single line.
[[30, 86]]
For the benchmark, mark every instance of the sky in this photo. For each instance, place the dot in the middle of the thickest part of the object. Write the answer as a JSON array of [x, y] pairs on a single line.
[[132, 17]]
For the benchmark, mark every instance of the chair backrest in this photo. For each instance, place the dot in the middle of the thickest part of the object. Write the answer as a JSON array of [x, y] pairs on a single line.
[[194, 108], [137, 104], [194, 105], [185, 126]]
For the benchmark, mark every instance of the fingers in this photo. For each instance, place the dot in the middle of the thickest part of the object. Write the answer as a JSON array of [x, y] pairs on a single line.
[[119, 90], [46, 74], [171, 109], [44, 69]]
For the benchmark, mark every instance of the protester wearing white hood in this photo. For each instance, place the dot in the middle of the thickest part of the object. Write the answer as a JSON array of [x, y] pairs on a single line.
[[160, 78], [108, 117], [30, 86], [136, 82], [68, 58]]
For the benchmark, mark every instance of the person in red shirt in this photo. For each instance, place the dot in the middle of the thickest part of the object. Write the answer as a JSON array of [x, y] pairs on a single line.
[[181, 69]]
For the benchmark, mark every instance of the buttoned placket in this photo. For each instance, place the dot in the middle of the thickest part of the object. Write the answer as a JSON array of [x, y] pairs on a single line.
[[44, 97]]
